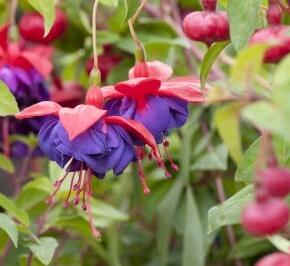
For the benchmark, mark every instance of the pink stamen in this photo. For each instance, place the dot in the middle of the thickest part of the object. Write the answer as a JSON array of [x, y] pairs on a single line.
[[84, 191], [141, 152], [141, 174], [169, 157], [66, 203], [162, 165], [95, 232], [49, 200]]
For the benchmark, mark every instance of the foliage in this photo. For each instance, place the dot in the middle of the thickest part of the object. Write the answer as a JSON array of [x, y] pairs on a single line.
[[184, 220]]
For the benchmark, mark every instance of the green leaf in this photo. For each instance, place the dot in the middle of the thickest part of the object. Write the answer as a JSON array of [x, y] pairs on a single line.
[[9, 226], [193, 252], [209, 59], [47, 9], [280, 243], [215, 159], [14, 211], [111, 3], [44, 250], [229, 212], [165, 213], [245, 169], [6, 164], [125, 10], [8, 104], [249, 247], [281, 81], [243, 18], [247, 65], [34, 192], [227, 122], [260, 113]]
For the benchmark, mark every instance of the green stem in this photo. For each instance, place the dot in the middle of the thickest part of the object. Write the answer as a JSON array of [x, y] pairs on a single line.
[[140, 50], [94, 26]]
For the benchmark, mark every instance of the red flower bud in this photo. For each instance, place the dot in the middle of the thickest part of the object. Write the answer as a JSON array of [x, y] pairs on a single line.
[[95, 97], [206, 27], [265, 218], [31, 27], [277, 36], [276, 181], [274, 259]]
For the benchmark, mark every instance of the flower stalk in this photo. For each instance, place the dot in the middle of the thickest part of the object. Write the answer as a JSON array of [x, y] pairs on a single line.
[[95, 75], [140, 53]]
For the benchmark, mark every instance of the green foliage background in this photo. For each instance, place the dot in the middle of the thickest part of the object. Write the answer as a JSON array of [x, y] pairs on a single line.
[[184, 220]]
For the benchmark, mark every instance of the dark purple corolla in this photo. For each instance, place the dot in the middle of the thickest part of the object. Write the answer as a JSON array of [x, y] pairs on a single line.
[[103, 147], [28, 87], [153, 99], [84, 140]]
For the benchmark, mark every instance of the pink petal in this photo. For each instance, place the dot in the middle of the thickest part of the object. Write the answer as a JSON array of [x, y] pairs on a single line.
[[77, 120], [109, 92], [139, 87], [41, 63], [192, 79], [186, 91], [136, 129], [155, 69], [39, 109]]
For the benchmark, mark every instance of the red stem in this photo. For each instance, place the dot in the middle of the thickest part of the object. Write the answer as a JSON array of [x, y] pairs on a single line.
[[5, 133]]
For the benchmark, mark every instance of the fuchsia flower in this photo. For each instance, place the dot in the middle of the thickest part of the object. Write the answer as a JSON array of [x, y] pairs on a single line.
[[16, 55], [21, 69], [153, 99], [86, 138]]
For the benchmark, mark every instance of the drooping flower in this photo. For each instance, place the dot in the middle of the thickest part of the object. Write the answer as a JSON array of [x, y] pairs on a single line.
[[23, 71], [28, 88], [86, 139], [153, 99]]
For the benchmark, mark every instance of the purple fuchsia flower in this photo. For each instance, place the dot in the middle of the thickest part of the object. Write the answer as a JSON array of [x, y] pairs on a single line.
[[28, 87], [23, 71], [86, 139], [153, 99]]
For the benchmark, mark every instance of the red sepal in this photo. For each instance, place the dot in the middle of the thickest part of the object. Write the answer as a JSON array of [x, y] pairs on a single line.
[[182, 90], [136, 129], [95, 97], [109, 92], [154, 69], [39, 109], [77, 120], [139, 87], [4, 37]]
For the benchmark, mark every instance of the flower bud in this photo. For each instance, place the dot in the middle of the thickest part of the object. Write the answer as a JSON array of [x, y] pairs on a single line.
[[274, 259], [276, 181], [206, 27], [278, 39], [265, 218], [31, 27]]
